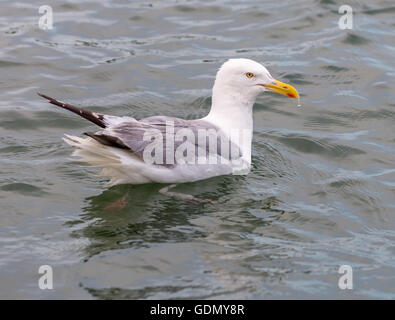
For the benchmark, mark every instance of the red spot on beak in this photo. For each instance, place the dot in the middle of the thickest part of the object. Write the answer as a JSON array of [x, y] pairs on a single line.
[[290, 95]]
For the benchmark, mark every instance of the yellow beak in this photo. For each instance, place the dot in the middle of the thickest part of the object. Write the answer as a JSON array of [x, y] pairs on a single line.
[[283, 88]]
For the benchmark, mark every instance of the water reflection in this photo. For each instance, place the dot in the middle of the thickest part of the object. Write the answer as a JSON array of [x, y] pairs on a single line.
[[131, 216], [186, 247]]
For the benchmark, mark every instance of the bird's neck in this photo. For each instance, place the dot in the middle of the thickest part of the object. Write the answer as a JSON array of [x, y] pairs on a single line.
[[232, 112], [230, 109]]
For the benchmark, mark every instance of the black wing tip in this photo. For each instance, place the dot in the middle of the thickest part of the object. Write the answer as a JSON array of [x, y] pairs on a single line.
[[45, 96], [86, 114], [55, 102]]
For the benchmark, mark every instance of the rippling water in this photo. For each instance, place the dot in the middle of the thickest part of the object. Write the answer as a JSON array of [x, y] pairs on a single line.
[[321, 192]]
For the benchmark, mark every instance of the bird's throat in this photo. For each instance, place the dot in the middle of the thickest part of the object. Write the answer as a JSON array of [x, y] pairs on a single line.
[[234, 117]]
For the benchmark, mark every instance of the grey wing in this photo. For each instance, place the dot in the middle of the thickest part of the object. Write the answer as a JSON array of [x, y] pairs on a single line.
[[128, 135], [169, 134]]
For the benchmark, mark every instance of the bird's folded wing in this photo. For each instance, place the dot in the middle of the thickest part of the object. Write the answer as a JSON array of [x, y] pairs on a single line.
[[169, 134]]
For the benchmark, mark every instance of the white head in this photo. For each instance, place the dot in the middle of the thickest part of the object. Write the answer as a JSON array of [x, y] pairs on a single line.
[[245, 79]]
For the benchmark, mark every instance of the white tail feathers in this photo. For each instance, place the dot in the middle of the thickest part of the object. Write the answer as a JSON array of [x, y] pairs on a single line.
[[97, 156]]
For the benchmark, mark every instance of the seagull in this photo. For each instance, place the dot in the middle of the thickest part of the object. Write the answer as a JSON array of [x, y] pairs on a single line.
[[158, 149]]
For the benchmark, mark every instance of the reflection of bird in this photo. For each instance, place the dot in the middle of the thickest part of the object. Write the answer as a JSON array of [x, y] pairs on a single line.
[[128, 150]]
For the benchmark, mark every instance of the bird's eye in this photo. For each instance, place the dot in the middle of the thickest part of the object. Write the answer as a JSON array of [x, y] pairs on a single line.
[[249, 74]]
